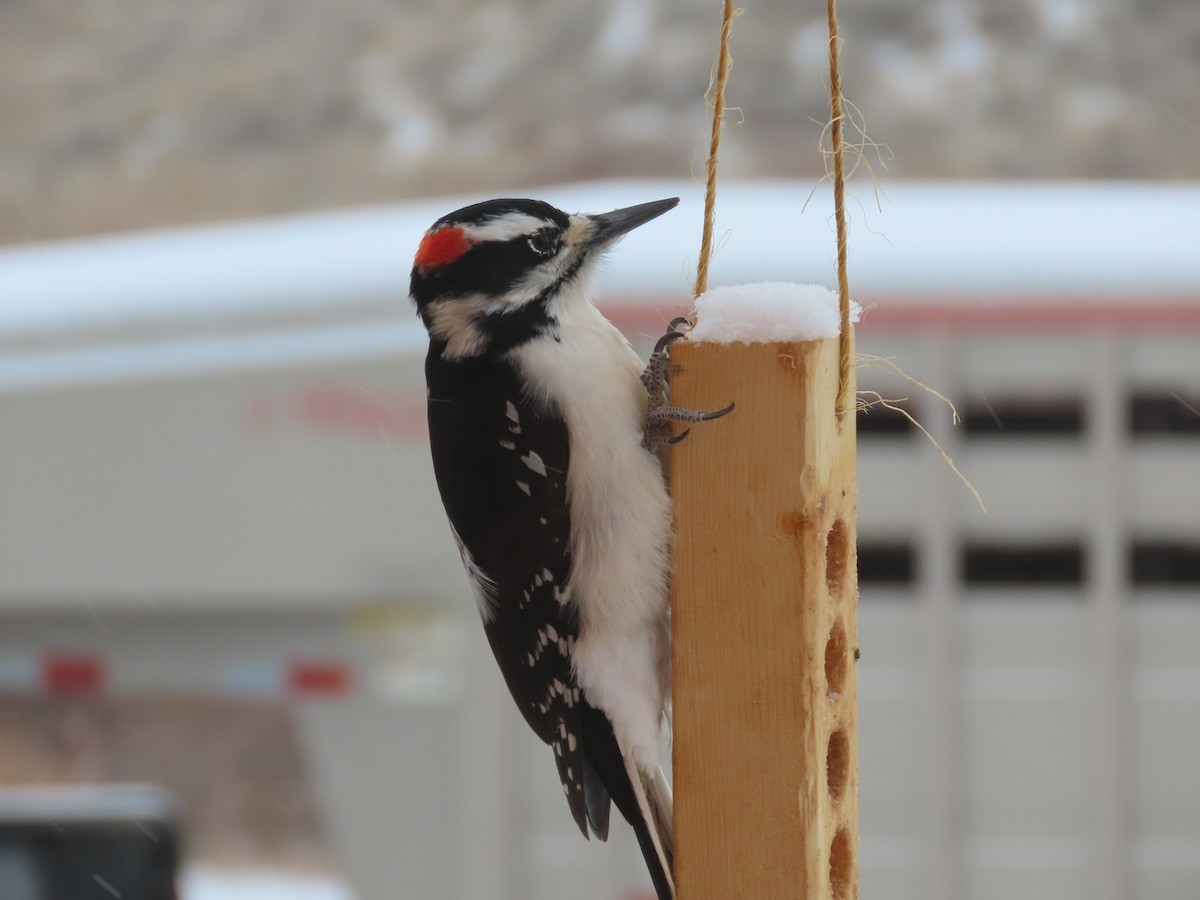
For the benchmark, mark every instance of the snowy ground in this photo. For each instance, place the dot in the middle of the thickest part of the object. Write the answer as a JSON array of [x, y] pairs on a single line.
[[201, 883]]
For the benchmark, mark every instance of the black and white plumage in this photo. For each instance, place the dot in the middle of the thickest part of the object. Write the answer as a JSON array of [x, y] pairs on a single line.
[[537, 413]]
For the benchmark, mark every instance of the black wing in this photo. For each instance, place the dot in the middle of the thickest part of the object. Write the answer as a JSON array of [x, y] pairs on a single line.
[[501, 468]]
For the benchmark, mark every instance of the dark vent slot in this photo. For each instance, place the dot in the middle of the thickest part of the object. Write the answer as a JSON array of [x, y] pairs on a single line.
[[886, 564], [1023, 417], [1165, 564], [1004, 565], [1165, 414], [880, 422]]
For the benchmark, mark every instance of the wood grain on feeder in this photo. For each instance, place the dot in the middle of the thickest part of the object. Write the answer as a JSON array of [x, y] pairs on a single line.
[[765, 693]]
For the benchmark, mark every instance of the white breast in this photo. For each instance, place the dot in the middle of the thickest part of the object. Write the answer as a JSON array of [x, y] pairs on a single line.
[[620, 521]]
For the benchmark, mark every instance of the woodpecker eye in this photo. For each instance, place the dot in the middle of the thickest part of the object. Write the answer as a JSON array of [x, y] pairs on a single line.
[[544, 243]]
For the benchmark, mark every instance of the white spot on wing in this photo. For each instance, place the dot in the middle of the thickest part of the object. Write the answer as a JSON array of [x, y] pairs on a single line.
[[525, 487], [533, 462], [511, 411], [508, 445]]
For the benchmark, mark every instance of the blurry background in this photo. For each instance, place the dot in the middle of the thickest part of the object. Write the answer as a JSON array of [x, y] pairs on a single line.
[[224, 569], [126, 114]]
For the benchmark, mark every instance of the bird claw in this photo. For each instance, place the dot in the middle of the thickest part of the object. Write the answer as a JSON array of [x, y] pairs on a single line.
[[671, 336], [718, 413], [654, 376], [659, 414], [676, 438], [658, 419], [665, 341]]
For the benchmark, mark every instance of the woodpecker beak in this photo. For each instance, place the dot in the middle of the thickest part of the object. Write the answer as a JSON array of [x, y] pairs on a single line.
[[607, 227]]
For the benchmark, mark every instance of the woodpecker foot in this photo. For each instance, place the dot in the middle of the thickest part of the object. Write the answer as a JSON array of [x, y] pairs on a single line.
[[659, 414], [659, 419], [654, 376], [664, 414]]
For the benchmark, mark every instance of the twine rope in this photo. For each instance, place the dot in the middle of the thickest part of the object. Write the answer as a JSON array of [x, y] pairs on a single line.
[[839, 208], [724, 61], [837, 140]]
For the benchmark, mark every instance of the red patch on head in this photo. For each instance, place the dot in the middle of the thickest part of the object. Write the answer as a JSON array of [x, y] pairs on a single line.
[[441, 247]]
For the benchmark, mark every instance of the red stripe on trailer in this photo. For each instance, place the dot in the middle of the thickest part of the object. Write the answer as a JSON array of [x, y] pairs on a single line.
[[318, 679], [70, 673], [334, 406], [1052, 315], [1029, 314]]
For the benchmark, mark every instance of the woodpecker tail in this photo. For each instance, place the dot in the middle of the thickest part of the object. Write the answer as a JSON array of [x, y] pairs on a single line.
[[653, 827], [644, 801]]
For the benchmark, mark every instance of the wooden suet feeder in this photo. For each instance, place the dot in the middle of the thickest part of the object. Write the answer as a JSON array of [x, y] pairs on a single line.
[[765, 694]]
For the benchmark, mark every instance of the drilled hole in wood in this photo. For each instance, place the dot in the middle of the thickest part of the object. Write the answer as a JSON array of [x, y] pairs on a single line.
[[841, 866], [837, 558], [837, 764], [835, 660]]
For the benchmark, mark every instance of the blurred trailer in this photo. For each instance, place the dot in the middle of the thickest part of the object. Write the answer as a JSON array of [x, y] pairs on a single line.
[[216, 480], [88, 843]]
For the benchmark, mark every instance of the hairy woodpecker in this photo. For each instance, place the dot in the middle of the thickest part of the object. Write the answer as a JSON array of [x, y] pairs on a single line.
[[544, 430]]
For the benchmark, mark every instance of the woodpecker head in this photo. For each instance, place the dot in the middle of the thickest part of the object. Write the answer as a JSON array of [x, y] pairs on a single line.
[[491, 276]]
